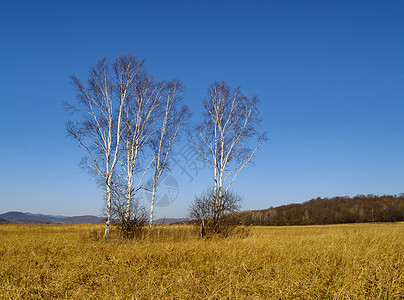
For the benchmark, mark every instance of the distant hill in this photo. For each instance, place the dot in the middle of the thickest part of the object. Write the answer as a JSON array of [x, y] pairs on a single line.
[[163, 221], [5, 221], [80, 220], [17, 217], [28, 218]]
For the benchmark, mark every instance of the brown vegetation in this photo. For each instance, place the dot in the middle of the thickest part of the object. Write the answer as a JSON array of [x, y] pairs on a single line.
[[358, 261]]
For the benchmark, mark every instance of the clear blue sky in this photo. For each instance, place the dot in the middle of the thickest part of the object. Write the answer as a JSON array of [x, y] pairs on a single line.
[[330, 76]]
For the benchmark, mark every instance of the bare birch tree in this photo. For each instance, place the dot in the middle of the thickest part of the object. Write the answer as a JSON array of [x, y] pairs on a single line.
[[141, 115], [203, 208], [172, 118], [225, 137], [101, 104]]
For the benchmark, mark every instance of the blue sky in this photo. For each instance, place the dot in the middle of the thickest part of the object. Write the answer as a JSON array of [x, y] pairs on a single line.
[[330, 76]]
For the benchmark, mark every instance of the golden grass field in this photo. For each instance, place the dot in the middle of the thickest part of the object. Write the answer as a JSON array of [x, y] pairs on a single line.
[[358, 261]]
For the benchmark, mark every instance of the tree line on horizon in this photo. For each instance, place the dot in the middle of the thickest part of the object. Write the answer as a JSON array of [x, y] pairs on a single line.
[[335, 210]]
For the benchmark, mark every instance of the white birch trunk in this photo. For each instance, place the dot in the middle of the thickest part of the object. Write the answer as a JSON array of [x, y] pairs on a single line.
[[109, 201], [152, 200], [128, 197]]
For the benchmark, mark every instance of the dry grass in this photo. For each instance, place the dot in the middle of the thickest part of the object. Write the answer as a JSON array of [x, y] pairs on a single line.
[[362, 261]]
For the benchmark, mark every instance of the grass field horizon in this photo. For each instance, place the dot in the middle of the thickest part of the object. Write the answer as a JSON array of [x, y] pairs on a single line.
[[347, 261]]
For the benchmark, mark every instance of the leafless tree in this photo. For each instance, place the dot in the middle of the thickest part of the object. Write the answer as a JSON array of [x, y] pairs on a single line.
[[101, 105], [134, 225], [225, 136], [172, 118], [203, 209]]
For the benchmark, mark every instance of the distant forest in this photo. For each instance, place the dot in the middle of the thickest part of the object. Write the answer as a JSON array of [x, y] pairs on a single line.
[[337, 210]]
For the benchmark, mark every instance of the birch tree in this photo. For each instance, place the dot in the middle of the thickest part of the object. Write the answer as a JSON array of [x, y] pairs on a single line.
[[172, 118], [98, 130], [227, 139], [141, 115]]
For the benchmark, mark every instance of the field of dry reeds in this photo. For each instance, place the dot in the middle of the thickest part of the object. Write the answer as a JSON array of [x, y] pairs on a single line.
[[359, 261]]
